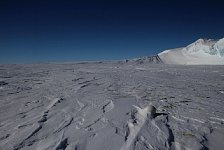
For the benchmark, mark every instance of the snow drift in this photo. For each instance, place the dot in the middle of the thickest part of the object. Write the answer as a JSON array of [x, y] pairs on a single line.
[[201, 52]]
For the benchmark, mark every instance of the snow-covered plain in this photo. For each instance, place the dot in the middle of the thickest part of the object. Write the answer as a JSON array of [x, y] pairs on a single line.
[[201, 52], [111, 106]]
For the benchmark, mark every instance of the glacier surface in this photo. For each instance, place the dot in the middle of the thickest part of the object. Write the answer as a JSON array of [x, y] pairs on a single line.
[[111, 106]]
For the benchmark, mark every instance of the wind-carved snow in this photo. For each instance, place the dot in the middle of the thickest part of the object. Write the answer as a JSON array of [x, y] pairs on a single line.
[[55, 102], [202, 51], [143, 125], [111, 106], [141, 117]]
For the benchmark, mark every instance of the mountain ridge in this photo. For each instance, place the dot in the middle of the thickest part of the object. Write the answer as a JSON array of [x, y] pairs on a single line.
[[200, 52]]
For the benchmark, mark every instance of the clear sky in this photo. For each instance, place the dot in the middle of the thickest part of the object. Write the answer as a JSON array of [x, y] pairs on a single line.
[[51, 30]]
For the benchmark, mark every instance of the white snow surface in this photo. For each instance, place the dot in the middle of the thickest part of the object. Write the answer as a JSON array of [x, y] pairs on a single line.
[[111, 106], [201, 52]]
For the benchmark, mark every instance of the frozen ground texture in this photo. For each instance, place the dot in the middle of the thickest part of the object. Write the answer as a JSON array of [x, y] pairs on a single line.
[[210, 52], [111, 106]]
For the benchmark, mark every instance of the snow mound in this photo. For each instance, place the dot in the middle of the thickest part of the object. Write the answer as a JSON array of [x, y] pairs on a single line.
[[201, 52]]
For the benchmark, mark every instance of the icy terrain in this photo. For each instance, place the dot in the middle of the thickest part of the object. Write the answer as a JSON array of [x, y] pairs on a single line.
[[201, 52], [111, 106]]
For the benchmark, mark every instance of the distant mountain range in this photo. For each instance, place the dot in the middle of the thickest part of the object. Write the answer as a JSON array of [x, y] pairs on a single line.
[[201, 52]]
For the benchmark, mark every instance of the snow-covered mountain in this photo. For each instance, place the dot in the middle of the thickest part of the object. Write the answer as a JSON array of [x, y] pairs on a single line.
[[201, 52]]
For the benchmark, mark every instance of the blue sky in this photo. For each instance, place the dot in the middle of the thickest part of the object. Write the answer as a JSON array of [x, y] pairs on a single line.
[[46, 31]]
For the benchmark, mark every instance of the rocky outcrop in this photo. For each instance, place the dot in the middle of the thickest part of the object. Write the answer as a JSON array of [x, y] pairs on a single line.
[[148, 59]]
